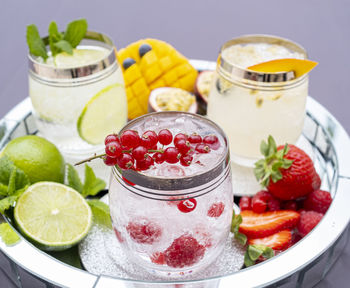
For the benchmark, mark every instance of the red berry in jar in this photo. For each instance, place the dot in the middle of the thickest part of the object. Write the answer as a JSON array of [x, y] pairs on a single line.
[[318, 201], [260, 200], [111, 138], [130, 139], [216, 210], [144, 231], [180, 136], [188, 205], [202, 148], [109, 161], [165, 137], [194, 138], [139, 153], [145, 163], [212, 141], [113, 149], [172, 155], [158, 157], [186, 160], [183, 146], [149, 139], [184, 251]]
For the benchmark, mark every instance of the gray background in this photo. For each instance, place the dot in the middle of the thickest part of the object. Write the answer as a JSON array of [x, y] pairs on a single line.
[[197, 28]]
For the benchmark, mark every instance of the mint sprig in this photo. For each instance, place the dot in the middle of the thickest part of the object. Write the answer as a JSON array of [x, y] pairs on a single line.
[[92, 185], [255, 251], [101, 214], [270, 167], [58, 42]]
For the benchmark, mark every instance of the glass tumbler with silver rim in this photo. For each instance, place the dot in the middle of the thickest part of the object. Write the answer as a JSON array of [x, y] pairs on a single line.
[[251, 105], [170, 218]]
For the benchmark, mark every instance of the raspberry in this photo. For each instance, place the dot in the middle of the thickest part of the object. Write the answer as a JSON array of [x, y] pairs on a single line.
[[260, 200], [184, 251], [245, 203], [308, 220], [290, 205], [273, 204], [318, 201], [143, 231], [216, 210]]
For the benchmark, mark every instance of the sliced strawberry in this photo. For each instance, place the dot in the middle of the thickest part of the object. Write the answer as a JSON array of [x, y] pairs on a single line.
[[278, 241], [261, 225]]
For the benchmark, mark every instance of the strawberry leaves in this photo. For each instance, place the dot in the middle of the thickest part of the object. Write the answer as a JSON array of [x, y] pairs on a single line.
[[255, 251], [270, 167]]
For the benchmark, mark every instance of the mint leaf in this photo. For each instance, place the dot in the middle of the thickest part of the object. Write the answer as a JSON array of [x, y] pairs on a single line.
[[7, 203], [8, 235], [35, 43], [64, 46], [92, 184], [6, 167], [11, 188], [100, 211], [73, 179], [54, 36], [75, 32]]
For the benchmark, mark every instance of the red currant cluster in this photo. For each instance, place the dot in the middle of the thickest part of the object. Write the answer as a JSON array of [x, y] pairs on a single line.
[[130, 151]]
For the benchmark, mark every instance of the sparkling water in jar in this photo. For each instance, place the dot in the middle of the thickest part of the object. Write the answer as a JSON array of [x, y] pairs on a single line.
[[173, 219], [250, 105]]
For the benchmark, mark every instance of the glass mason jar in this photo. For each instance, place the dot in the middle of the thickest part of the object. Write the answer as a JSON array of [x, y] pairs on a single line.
[[172, 219], [250, 105], [61, 88]]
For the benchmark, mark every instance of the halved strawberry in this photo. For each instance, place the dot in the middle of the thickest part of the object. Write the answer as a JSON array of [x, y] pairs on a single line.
[[278, 241], [259, 225]]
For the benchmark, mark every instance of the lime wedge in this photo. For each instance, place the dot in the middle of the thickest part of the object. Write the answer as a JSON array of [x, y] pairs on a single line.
[[53, 216], [105, 113], [79, 57]]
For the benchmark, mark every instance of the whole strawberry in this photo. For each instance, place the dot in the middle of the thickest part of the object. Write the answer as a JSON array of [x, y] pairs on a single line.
[[287, 171]]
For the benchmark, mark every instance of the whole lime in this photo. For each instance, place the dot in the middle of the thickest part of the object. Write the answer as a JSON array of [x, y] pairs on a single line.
[[37, 157]]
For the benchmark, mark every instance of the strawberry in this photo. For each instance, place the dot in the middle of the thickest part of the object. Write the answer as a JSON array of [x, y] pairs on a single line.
[[287, 171], [278, 241], [255, 225]]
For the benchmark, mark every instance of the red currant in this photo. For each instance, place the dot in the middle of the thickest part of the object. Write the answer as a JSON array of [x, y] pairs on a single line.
[[179, 137], [145, 163], [212, 141], [186, 160], [113, 149], [139, 152], [158, 157], [260, 200], [130, 139], [202, 148], [194, 138], [111, 138], [126, 161], [183, 146], [109, 161], [149, 139], [187, 205], [165, 137], [172, 155]]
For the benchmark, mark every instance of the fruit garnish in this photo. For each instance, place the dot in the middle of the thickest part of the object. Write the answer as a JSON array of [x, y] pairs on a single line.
[[318, 201], [165, 137], [259, 225], [188, 205], [308, 221], [287, 171], [104, 113], [245, 203], [203, 84], [278, 241], [53, 215], [255, 252], [194, 138], [298, 66], [184, 251], [144, 231], [216, 209], [290, 205], [212, 141], [171, 99], [202, 148], [59, 42], [149, 139], [160, 66]]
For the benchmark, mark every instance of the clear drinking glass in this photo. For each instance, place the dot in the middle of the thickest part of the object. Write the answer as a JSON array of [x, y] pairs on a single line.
[[249, 105], [61, 88], [173, 219]]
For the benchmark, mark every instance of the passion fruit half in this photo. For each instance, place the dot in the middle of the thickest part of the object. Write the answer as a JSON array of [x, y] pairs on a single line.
[[171, 99], [202, 89]]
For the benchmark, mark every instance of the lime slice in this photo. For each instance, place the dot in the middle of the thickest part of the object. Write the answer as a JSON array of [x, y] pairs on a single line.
[[53, 216], [79, 57], [105, 113]]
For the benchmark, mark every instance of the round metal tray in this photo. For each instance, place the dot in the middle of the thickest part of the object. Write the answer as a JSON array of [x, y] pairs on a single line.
[[302, 265]]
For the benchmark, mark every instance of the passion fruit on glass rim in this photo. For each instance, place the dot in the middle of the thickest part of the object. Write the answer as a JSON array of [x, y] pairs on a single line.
[[171, 99], [202, 89]]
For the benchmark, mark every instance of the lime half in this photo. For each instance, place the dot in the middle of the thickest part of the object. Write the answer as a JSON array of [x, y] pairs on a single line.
[[105, 113], [53, 216]]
